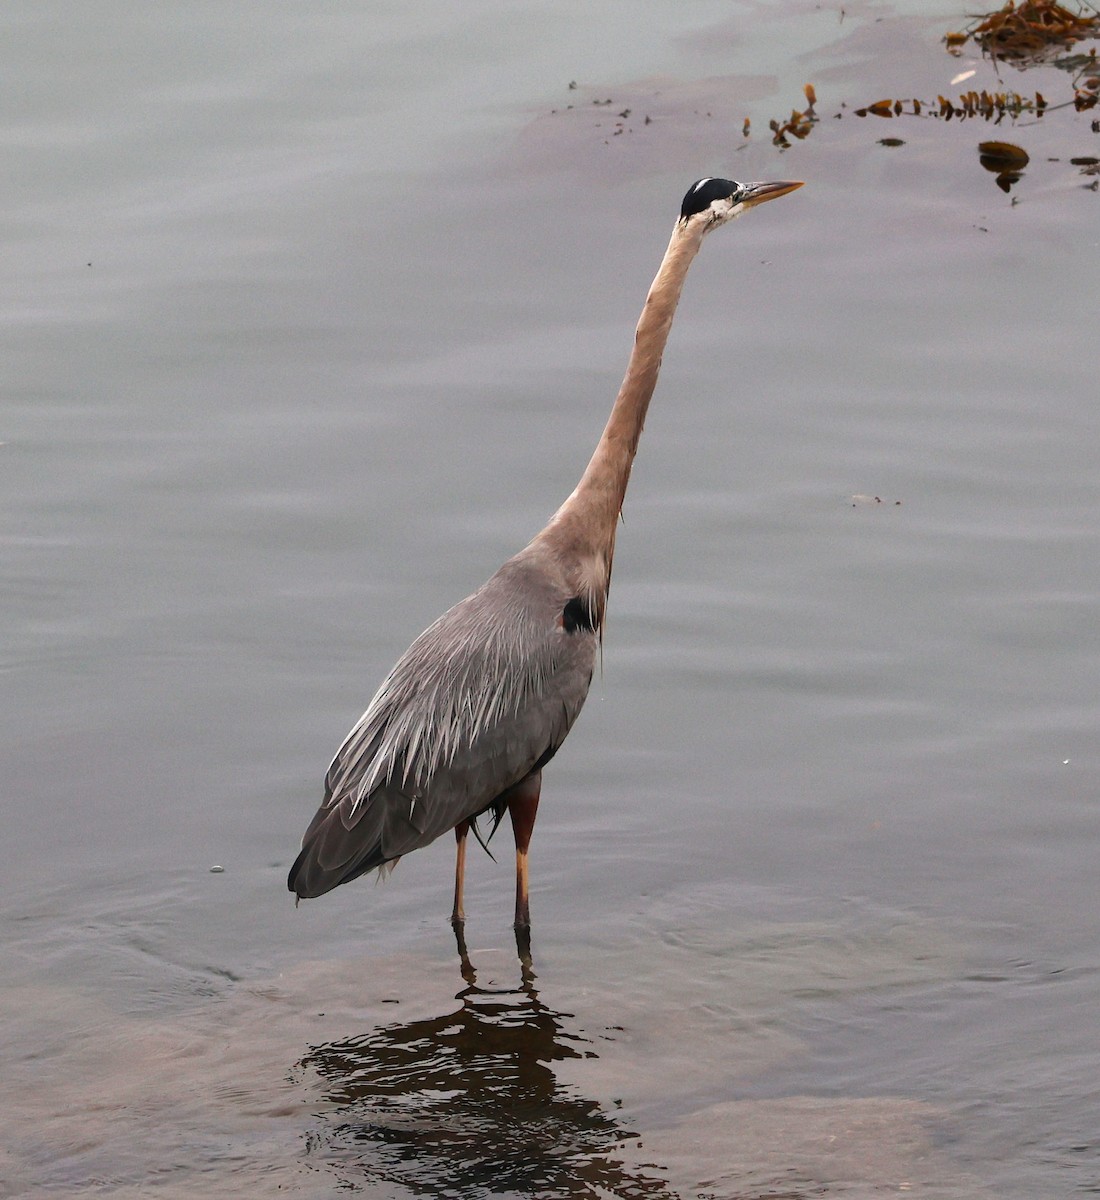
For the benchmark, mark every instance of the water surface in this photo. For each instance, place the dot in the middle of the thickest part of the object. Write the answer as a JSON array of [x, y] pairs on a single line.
[[310, 320]]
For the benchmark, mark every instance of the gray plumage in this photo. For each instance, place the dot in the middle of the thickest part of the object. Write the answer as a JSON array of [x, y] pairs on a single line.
[[481, 701]]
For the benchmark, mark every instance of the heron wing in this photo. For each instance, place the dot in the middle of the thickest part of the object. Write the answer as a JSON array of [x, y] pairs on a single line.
[[480, 698]]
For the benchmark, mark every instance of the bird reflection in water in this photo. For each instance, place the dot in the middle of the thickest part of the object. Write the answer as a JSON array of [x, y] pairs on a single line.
[[469, 1103]]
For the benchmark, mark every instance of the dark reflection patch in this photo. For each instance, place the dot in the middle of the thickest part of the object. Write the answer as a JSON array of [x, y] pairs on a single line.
[[469, 1103]]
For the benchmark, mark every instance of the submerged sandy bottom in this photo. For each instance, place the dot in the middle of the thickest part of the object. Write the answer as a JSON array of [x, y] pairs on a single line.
[[396, 1076]]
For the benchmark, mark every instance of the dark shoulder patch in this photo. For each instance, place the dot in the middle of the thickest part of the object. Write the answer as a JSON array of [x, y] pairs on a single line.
[[577, 615]]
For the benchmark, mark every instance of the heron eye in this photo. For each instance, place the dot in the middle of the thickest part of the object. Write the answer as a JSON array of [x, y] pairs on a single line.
[[577, 615]]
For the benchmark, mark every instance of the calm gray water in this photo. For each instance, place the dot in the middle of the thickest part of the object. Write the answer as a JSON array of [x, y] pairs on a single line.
[[311, 317]]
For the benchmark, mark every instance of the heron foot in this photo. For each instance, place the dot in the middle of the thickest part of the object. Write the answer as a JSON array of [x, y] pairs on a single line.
[[523, 949], [466, 968]]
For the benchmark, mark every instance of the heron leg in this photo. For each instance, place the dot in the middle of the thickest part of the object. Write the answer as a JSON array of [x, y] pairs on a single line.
[[523, 950], [523, 804], [458, 915], [466, 967]]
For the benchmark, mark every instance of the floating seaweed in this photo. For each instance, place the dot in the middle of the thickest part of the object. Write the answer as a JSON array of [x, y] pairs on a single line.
[[799, 124], [988, 106], [1005, 160], [1033, 32], [1002, 156], [1030, 33], [1038, 33], [1026, 33], [983, 105]]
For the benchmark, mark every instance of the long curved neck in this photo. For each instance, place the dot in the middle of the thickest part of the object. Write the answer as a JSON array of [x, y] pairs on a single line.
[[584, 526]]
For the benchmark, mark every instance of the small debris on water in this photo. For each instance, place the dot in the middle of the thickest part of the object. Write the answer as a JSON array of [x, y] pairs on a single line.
[[217, 869], [861, 498]]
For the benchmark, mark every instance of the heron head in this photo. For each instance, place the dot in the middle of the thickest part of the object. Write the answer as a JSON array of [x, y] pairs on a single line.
[[716, 201]]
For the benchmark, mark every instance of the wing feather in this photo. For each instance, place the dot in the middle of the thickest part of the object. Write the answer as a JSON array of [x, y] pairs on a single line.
[[480, 697]]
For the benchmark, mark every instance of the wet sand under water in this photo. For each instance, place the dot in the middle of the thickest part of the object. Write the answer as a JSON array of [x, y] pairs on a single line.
[[395, 1076]]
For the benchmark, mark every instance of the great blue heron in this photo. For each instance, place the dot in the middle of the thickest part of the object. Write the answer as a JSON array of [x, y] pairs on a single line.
[[477, 706]]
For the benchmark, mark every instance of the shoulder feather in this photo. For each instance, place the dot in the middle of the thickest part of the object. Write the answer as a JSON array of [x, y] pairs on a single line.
[[484, 665]]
